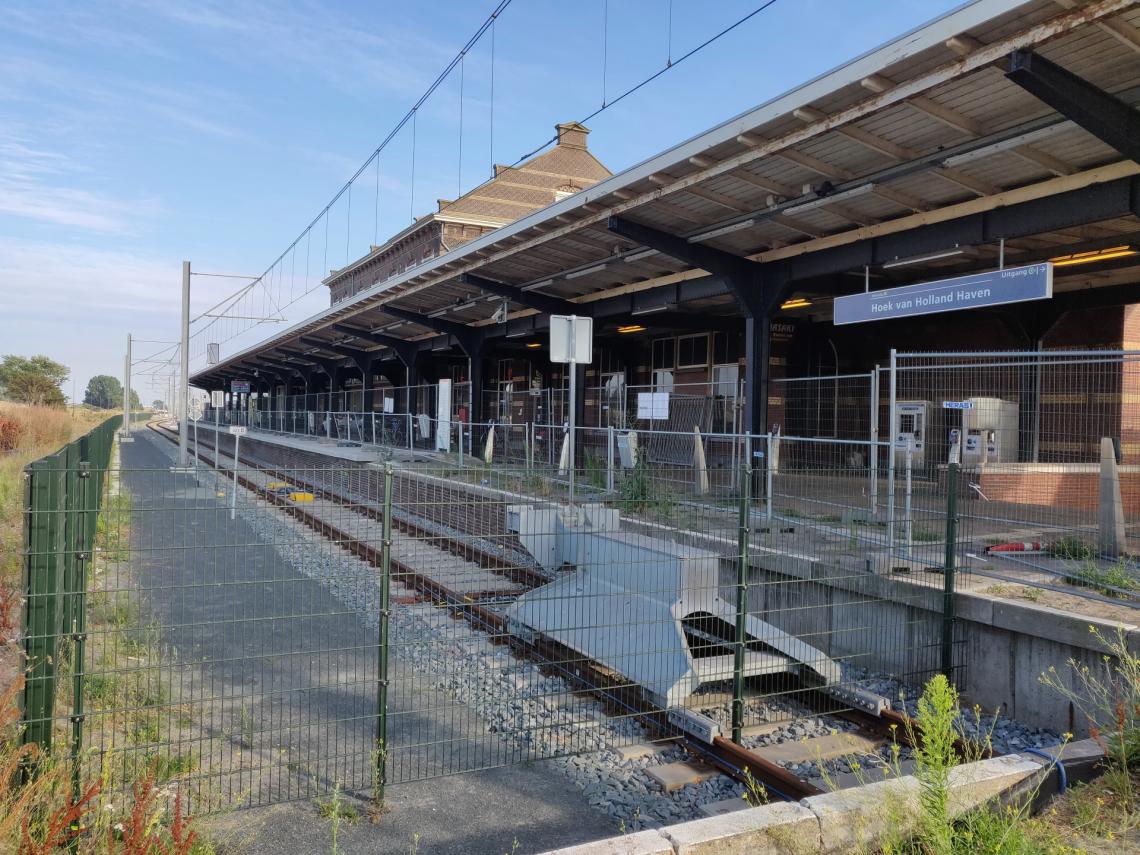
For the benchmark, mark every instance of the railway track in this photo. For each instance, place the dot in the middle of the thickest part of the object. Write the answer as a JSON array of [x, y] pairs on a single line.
[[618, 695]]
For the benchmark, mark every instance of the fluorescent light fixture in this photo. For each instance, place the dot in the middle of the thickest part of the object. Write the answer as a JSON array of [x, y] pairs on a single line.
[[578, 274], [861, 190], [919, 259], [631, 328], [519, 334], [795, 303], [533, 285], [437, 313], [723, 230], [470, 304], [1094, 255], [637, 256], [533, 345], [651, 310]]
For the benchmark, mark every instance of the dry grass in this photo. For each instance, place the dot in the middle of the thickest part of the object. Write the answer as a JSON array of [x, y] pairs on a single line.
[[38, 431]]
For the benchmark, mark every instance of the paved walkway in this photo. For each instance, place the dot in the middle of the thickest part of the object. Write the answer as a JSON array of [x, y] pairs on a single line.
[[278, 679]]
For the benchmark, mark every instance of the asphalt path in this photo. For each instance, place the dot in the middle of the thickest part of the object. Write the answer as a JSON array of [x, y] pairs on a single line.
[[275, 681]]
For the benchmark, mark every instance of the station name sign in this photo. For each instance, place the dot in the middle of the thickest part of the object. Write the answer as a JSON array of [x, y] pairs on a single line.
[[975, 291], [239, 387]]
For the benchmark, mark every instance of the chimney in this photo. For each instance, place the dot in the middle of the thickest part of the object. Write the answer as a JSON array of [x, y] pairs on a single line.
[[572, 134]]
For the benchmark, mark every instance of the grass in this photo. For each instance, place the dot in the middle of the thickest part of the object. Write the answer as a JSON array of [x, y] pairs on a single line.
[[130, 810], [1071, 547], [1110, 580]]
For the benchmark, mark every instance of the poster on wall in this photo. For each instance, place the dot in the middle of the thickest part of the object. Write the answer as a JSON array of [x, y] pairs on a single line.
[[653, 406]]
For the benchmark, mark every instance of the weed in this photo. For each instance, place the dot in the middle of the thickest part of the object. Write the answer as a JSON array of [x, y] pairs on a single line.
[[925, 535], [1109, 581], [595, 471], [245, 722], [1032, 594], [755, 793], [168, 766], [1109, 698], [1071, 547], [996, 590], [934, 758]]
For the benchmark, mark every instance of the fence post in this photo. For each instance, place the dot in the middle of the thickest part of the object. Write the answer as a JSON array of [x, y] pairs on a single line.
[[610, 459], [767, 476], [382, 649], [892, 434], [83, 520], [949, 569], [874, 441], [908, 518], [741, 639]]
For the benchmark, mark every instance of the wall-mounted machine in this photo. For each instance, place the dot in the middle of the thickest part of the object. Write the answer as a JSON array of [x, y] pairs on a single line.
[[989, 431], [911, 421]]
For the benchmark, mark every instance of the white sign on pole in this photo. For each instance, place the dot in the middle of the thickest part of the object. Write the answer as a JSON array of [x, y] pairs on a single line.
[[443, 417], [389, 404], [571, 339], [197, 408], [653, 406], [217, 399], [237, 430], [213, 353]]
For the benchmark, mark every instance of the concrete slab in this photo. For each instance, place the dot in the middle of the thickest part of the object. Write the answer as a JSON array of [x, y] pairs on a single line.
[[642, 749], [850, 819], [819, 748], [648, 842], [674, 776], [774, 829], [723, 806]]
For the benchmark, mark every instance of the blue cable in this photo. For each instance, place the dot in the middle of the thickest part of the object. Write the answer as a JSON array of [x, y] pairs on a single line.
[[1063, 778]]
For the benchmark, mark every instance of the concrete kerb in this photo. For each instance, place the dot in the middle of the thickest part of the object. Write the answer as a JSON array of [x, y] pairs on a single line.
[[839, 822]]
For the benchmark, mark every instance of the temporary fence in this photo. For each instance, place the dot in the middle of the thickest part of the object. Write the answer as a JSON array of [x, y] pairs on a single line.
[[281, 627], [1049, 451]]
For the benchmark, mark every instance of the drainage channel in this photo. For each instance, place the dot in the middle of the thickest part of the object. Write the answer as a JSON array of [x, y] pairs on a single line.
[[618, 695]]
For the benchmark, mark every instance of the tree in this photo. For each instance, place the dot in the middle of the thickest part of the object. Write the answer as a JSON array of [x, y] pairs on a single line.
[[157, 405], [37, 380], [104, 392]]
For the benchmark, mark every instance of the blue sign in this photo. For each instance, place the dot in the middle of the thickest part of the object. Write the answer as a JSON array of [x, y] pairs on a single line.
[[957, 405], [994, 288]]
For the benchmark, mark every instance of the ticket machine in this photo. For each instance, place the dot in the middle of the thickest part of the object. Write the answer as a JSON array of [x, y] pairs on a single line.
[[911, 421], [989, 431]]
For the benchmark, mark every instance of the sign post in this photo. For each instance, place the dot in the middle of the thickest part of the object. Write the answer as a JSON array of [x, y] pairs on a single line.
[[571, 342], [196, 414], [238, 432], [217, 401]]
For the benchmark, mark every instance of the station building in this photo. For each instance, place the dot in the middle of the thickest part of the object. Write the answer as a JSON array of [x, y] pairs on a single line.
[[1002, 136]]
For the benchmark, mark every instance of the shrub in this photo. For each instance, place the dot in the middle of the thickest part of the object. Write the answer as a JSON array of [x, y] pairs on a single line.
[[10, 432]]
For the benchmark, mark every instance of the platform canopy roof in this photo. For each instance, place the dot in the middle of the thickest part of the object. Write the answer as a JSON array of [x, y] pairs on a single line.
[[999, 127]]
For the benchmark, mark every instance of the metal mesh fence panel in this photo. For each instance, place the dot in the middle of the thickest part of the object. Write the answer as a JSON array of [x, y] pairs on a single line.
[[835, 407], [269, 627], [1047, 445]]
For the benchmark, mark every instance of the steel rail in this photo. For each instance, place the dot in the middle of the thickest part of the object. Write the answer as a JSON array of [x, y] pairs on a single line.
[[584, 674]]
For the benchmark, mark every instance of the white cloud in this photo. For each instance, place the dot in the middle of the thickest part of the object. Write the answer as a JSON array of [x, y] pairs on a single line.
[[34, 185]]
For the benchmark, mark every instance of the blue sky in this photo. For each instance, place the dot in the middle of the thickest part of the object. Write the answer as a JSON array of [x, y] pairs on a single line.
[[134, 134]]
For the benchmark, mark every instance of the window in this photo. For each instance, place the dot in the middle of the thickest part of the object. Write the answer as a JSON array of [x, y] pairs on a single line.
[[663, 354], [726, 348], [693, 351]]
